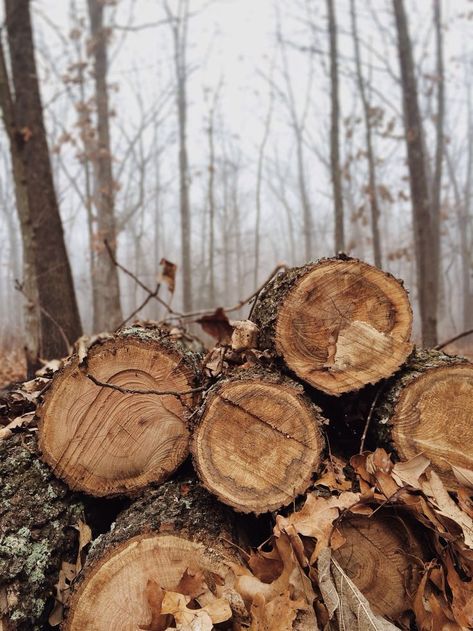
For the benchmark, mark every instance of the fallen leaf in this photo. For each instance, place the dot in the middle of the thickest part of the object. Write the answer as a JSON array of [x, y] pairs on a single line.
[[192, 584], [20, 421], [410, 471], [267, 566], [276, 615], [462, 591], [203, 619], [85, 537], [344, 600], [154, 594], [217, 325], [464, 476]]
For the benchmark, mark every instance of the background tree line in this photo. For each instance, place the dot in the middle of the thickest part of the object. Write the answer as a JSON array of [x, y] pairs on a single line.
[[227, 137]]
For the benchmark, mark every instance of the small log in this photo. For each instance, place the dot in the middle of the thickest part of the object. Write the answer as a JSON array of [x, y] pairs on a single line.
[[427, 408], [172, 530], [105, 442], [338, 324], [37, 515], [383, 556], [258, 441]]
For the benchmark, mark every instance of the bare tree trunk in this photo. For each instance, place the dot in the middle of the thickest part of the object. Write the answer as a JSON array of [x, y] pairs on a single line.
[[107, 309], [211, 202], [372, 189], [31, 310], [422, 219], [41, 228], [334, 131], [439, 152], [179, 25]]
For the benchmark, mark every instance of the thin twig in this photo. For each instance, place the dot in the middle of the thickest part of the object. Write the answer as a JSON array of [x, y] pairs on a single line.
[[453, 339], [19, 287], [369, 417], [160, 393], [142, 306]]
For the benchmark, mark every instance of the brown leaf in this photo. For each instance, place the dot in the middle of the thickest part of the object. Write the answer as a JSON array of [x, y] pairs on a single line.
[[85, 537], [218, 610], [344, 600], [464, 476], [217, 325], [266, 566], [154, 594], [168, 274], [276, 615], [410, 471], [462, 591], [192, 584]]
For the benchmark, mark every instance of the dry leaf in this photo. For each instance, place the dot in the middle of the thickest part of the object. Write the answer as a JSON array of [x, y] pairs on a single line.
[[67, 573], [267, 566], [434, 489], [85, 537], [192, 584], [276, 615], [344, 600], [20, 421], [154, 594], [464, 476], [462, 591], [316, 517], [410, 471], [217, 325], [168, 274], [216, 611]]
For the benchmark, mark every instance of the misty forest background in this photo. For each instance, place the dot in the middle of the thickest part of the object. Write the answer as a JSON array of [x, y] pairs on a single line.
[[228, 136]]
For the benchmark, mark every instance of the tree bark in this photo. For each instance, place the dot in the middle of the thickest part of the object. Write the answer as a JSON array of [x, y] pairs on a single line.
[[36, 536], [41, 229], [339, 324], [422, 217], [334, 132], [107, 309], [258, 441]]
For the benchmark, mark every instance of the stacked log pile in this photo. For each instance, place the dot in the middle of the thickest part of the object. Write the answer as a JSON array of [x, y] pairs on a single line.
[[246, 496]]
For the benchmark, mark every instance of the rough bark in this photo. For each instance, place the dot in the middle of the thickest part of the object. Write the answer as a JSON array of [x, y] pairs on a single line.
[[336, 173], [107, 309], [42, 229], [422, 217], [106, 442], [339, 324], [37, 515], [427, 408], [258, 441], [175, 528], [31, 311]]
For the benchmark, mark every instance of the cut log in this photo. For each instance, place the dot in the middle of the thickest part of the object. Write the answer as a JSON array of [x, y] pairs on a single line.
[[338, 324], [174, 531], [427, 408], [106, 442], [384, 557], [257, 442], [37, 515]]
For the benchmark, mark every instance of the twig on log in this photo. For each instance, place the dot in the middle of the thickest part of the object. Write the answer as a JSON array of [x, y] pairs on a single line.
[[19, 287], [453, 339], [160, 393], [368, 418]]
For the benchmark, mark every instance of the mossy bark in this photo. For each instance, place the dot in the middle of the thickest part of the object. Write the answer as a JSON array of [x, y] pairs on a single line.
[[37, 515]]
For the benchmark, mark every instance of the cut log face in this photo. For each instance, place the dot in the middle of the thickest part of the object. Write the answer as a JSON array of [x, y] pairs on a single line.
[[257, 444], [341, 323], [380, 556], [433, 415], [178, 529], [104, 442]]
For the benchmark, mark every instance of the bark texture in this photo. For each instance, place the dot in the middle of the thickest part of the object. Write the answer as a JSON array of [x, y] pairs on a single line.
[[60, 321], [37, 513]]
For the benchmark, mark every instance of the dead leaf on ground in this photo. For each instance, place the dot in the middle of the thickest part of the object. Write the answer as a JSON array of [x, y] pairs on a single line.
[[217, 325], [410, 471]]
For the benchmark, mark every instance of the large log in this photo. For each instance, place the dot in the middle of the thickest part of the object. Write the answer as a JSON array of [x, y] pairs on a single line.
[[258, 441], [37, 515], [428, 408], [172, 532], [106, 442], [383, 555], [338, 324]]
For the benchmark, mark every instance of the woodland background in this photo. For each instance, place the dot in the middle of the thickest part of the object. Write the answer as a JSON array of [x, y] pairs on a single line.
[[228, 136]]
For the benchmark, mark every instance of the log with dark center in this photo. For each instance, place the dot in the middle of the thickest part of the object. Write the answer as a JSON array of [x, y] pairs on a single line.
[[37, 519], [175, 530], [338, 324], [105, 442], [428, 408], [384, 557], [258, 441]]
